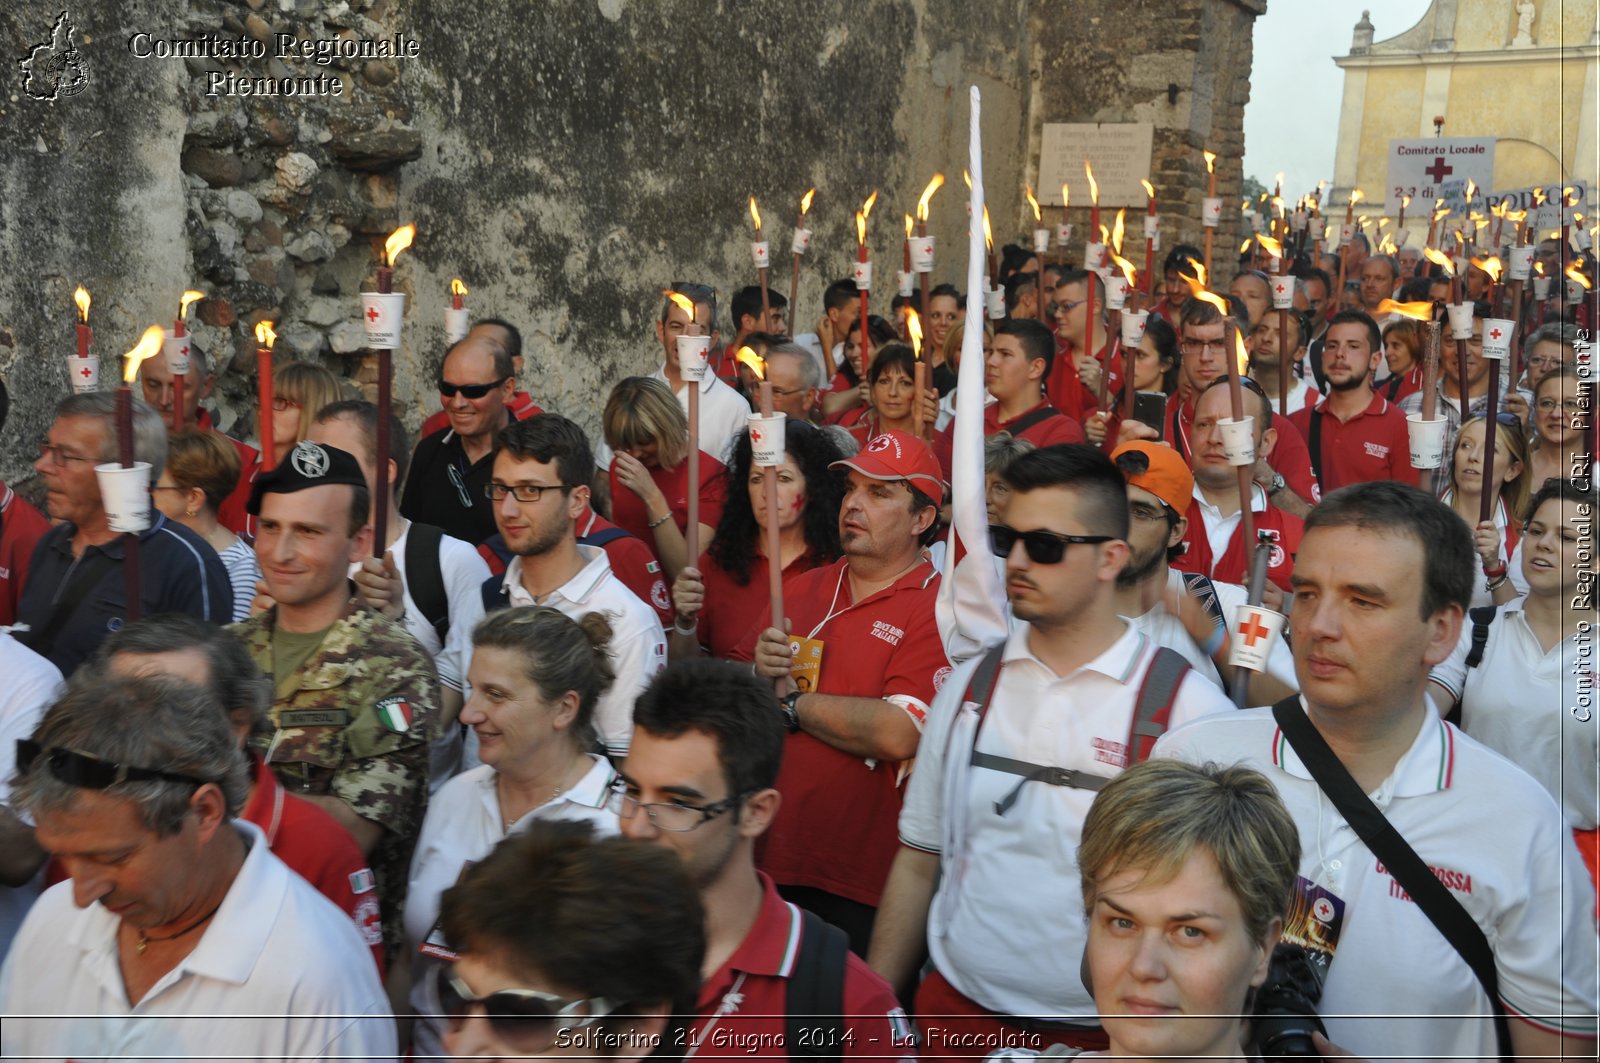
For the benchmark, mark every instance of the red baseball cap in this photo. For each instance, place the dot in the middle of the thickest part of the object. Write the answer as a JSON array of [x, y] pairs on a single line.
[[899, 456]]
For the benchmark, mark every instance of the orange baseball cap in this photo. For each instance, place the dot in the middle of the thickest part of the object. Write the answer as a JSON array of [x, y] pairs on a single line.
[[1157, 468]]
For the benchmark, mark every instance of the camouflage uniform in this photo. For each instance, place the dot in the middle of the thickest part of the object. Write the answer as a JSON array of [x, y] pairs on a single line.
[[337, 734]]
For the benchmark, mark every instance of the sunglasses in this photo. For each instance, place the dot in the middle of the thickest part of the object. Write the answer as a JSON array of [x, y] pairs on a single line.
[[471, 391], [88, 771], [1043, 547], [524, 1016]]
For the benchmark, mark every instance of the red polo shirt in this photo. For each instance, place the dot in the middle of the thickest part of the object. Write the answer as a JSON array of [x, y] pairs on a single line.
[[1233, 566], [21, 528], [231, 514], [1288, 458], [1064, 388], [838, 828], [1372, 445], [629, 514], [750, 1020], [1055, 428], [521, 407], [733, 616]]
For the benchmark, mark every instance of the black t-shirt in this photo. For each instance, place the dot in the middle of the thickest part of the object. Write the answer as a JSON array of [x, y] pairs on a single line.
[[446, 490]]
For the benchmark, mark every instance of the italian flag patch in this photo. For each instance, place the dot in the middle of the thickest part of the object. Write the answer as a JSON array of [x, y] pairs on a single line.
[[395, 714]]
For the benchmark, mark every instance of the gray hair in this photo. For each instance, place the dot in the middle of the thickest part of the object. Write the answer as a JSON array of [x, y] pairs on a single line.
[[810, 371], [153, 722], [236, 682], [149, 430], [1562, 332], [1000, 448]]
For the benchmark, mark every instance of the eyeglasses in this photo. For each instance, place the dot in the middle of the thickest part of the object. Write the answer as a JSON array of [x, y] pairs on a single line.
[[1203, 346], [1143, 511], [280, 404], [1544, 364], [469, 391], [59, 456], [1043, 547], [524, 1016], [89, 771], [1566, 405], [1065, 307], [459, 481], [522, 492], [783, 393], [668, 815]]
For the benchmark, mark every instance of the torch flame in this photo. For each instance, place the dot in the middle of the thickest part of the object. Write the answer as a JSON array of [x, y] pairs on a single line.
[[1538, 267], [749, 357], [866, 208], [457, 288], [909, 224], [81, 297], [1422, 311], [1472, 189], [1244, 246], [398, 241], [1149, 189], [1405, 201], [966, 175], [1576, 274], [1387, 246], [1065, 198], [934, 184], [1240, 358], [861, 229], [681, 301], [1094, 187], [755, 214], [1211, 161], [1105, 237], [1278, 184], [1539, 197], [1126, 267], [988, 233], [1116, 231], [188, 299], [1274, 248], [914, 330], [1440, 259], [1441, 213], [805, 201], [148, 345], [1356, 196], [264, 334], [1490, 265], [1032, 202]]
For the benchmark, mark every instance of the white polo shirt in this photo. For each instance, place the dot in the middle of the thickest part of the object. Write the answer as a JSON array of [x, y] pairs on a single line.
[[1006, 926], [1219, 527], [1396, 988], [32, 684], [1535, 708], [1167, 630], [462, 826], [638, 645], [280, 972], [724, 417]]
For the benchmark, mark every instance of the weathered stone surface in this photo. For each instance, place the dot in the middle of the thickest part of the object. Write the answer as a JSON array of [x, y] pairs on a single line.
[[380, 148], [218, 169], [310, 246], [296, 170], [347, 337]]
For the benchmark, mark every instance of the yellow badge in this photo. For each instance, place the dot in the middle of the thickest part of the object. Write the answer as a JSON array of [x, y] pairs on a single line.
[[807, 666]]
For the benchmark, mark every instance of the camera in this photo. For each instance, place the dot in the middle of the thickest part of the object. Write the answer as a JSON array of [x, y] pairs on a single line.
[[1286, 1007]]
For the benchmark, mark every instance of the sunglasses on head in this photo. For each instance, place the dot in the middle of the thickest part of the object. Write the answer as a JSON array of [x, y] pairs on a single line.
[[521, 1015], [88, 771], [471, 391], [1042, 547]]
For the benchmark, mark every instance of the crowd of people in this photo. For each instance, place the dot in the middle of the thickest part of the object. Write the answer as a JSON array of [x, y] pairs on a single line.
[[532, 776]]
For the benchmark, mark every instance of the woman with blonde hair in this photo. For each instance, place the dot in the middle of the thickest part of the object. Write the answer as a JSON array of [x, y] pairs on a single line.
[[299, 390], [648, 433], [1496, 539], [201, 471]]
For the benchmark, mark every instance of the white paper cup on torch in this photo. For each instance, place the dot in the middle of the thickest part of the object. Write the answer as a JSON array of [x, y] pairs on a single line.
[[1582, 240], [1401, 236], [1541, 288], [1211, 211], [457, 323], [761, 253], [1297, 221], [994, 303], [1133, 323], [1152, 226], [1041, 241], [861, 273], [381, 316], [1094, 256], [1117, 288], [176, 350], [1460, 320], [1520, 265], [1282, 289], [904, 282], [1064, 234], [1347, 232], [922, 254], [1255, 629], [1497, 337], [84, 373], [1574, 291], [692, 353], [1427, 441], [766, 440], [125, 494], [801, 243], [1238, 439]]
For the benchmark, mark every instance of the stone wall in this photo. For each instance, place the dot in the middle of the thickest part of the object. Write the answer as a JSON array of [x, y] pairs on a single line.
[[565, 159]]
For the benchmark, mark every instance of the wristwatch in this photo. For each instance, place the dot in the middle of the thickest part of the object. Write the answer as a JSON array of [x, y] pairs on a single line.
[[788, 705], [1276, 484]]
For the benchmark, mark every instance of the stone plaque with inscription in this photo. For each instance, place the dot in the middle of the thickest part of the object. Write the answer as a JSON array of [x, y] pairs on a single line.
[[1119, 153]]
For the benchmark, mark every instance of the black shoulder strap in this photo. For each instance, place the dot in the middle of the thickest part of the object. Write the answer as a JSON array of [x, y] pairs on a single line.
[[1314, 444], [1387, 844], [1481, 618], [603, 536], [494, 594], [1031, 418], [91, 569], [424, 579], [1175, 436], [1200, 587], [1152, 710], [813, 1003]]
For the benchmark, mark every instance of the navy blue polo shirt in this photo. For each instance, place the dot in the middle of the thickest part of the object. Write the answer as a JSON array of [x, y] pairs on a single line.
[[179, 572]]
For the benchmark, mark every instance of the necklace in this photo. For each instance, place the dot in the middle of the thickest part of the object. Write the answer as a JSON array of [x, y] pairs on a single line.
[[507, 821], [145, 939]]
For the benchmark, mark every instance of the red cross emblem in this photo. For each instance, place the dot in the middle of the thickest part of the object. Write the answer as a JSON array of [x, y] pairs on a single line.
[[1279, 288], [1439, 169], [1494, 333], [185, 349], [1252, 630], [86, 372], [372, 313]]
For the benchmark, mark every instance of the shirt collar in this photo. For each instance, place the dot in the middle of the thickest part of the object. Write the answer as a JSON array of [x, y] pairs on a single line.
[[1258, 502], [577, 589], [1427, 767], [1376, 407], [1117, 662], [708, 379], [769, 949]]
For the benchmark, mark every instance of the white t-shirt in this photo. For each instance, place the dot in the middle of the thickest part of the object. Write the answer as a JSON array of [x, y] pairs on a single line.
[[638, 645], [1006, 926], [463, 571], [32, 683], [1535, 708], [1396, 988], [280, 972], [1167, 630], [462, 826]]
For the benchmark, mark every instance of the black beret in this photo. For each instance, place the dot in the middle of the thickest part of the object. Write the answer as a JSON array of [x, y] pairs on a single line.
[[308, 465]]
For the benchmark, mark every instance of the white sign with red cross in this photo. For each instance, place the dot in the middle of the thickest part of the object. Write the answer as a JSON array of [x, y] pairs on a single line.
[[1423, 168]]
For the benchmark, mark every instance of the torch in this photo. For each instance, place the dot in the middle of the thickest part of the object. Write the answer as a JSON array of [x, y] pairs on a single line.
[[863, 270], [692, 350], [1117, 291], [1119, 335], [1346, 234], [265, 338], [1460, 320], [1283, 300], [177, 352], [1426, 430], [397, 242], [1064, 230], [1211, 209], [1240, 448], [1041, 244], [922, 250], [83, 369], [1152, 225], [1094, 253], [456, 322], [761, 255], [766, 451], [127, 503], [920, 380], [801, 242]]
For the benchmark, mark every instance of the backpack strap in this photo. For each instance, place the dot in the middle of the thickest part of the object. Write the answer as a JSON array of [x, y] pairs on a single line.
[[1152, 711], [493, 592], [1031, 418], [1314, 444], [1481, 618], [424, 579], [814, 991], [603, 536]]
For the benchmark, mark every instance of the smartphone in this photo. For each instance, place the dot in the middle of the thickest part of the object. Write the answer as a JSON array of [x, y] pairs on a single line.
[[1150, 407]]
